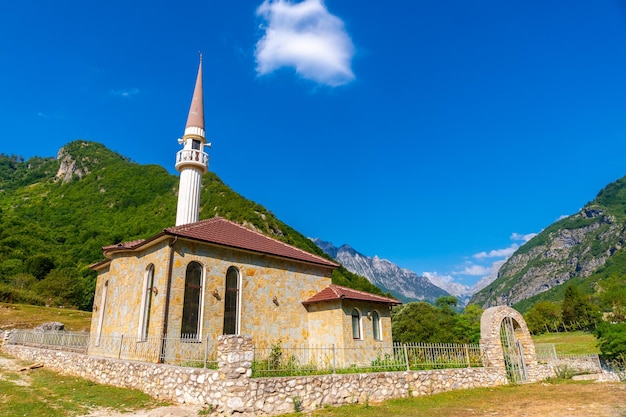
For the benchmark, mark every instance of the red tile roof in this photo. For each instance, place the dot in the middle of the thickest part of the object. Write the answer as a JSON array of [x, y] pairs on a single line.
[[220, 231], [337, 292], [123, 245]]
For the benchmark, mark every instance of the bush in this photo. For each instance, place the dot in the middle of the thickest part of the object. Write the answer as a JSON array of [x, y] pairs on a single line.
[[564, 371], [612, 340], [9, 294], [543, 317]]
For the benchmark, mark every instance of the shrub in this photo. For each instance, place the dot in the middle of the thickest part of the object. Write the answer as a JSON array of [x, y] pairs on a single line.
[[612, 340]]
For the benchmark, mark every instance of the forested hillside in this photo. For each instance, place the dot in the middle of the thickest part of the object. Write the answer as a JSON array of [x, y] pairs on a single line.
[[56, 214]]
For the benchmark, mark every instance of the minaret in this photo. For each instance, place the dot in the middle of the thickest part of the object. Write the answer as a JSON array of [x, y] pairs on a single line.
[[191, 161]]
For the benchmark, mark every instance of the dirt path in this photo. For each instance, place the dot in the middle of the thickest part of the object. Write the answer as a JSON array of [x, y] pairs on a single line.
[[171, 411]]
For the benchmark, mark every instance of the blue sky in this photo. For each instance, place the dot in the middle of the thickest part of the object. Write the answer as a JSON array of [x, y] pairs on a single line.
[[438, 135]]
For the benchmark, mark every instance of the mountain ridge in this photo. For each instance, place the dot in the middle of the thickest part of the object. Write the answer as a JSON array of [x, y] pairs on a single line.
[[404, 284], [578, 247]]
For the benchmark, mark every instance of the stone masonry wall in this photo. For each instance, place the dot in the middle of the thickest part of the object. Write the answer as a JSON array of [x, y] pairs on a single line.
[[231, 390]]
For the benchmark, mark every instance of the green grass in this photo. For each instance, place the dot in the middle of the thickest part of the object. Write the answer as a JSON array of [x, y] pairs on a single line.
[[24, 316], [570, 343], [44, 393], [513, 400]]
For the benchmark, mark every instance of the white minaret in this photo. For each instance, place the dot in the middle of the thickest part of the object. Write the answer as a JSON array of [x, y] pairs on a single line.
[[191, 161]]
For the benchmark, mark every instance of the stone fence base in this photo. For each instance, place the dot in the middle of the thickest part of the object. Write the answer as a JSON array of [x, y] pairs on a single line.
[[230, 394], [230, 389]]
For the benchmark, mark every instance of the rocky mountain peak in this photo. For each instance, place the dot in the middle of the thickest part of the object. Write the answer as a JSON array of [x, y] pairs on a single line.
[[404, 284], [69, 167]]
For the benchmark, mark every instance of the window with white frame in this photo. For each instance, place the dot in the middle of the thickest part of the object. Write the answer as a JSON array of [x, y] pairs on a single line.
[[192, 302], [376, 333], [231, 302], [356, 324], [146, 303], [103, 303]]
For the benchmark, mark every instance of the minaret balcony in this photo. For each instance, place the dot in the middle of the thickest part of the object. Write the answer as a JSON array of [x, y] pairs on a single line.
[[193, 158]]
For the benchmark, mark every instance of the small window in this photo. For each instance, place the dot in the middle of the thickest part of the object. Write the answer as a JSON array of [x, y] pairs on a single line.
[[103, 303], [376, 325], [146, 303], [231, 301], [192, 305], [356, 324], [195, 144]]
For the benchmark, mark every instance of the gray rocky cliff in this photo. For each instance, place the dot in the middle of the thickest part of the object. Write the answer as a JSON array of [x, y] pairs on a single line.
[[573, 247], [404, 284], [68, 167]]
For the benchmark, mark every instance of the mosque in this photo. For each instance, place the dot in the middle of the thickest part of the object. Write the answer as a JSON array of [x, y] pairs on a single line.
[[200, 279]]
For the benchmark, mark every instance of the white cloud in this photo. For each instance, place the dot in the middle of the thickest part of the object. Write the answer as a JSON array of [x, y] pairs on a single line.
[[52, 116], [306, 37], [447, 283], [126, 93], [490, 277], [473, 270], [524, 238], [505, 252], [497, 253], [486, 267]]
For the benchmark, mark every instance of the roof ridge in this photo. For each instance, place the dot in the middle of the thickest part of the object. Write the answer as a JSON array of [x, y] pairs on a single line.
[[268, 237], [334, 288], [194, 225], [362, 292]]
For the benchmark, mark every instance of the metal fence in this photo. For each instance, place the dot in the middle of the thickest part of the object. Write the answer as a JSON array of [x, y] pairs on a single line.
[[545, 352], [268, 360], [72, 341], [185, 351], [304, 360], [581, 363]]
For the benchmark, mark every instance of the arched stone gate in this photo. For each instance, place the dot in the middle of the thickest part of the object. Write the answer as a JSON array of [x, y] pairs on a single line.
[[507, 345]]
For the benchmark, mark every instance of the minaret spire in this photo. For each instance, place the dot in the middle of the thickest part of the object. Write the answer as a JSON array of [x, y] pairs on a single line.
[[196, 110], [192, 162]]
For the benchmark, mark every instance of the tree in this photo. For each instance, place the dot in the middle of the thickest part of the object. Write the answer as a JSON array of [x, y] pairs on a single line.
[[424, 323], [578, 310], [447, 303], [415, 322], [613, 297], [469, 322], [612, 340], [39, 265], [543, 316], [64, 287]]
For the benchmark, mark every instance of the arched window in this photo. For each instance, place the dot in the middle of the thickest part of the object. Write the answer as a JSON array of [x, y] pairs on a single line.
[[356, 324], [103, 303], [376, 325], [192, 305], [231, 301], [146, 303]]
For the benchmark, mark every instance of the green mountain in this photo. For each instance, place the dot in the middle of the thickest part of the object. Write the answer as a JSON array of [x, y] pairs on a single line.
[[56, 214], [585, 249]]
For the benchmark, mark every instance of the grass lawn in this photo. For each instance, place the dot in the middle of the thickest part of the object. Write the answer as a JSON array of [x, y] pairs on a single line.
[[561, 398], [43, 393], [570, 343], [23, 316]]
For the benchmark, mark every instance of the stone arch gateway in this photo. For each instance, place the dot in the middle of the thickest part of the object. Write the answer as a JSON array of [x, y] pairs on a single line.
[[507, 345]]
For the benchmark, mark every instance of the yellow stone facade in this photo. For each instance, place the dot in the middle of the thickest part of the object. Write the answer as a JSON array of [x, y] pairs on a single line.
[[270, 309]]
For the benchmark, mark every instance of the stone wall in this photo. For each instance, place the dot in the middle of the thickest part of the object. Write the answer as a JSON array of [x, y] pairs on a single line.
[[230, 389]]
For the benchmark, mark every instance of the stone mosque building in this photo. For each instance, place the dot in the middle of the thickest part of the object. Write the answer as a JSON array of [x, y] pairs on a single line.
[[200, 279]]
